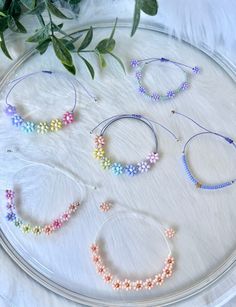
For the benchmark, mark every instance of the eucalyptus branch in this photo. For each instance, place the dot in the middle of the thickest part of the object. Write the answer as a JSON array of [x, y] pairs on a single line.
[[64, 44]]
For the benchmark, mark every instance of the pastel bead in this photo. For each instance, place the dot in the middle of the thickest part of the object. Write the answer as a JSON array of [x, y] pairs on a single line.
[[10, 110], [55, 124], [42, 128]]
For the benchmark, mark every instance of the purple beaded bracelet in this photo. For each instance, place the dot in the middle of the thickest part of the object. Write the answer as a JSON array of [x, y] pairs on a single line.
[[188, 171], [139, 65]]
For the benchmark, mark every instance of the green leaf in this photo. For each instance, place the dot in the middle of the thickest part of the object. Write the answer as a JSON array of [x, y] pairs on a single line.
[[55, 11], [102, 62], [15, 9], [2, 14], [29, 4], [149, 7], [106, 45], [113, 30], [3, 46], [39, 9], [118, 60], [20, 26], [3, 24], [2, 3], [136, 17], [15, 25], [62, 52], [89, 66], [71, 69], [40, 35], [68, 43], [87, 40], [43, 46]]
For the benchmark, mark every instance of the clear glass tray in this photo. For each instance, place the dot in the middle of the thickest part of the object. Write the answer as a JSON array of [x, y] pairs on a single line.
[[205, 241]]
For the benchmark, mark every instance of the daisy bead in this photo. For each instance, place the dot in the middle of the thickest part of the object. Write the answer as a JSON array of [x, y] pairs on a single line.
[[101, 270], [138, 75], [143, 166], [117, 168], [28, 127], [73, 207], [153, 157], [65, 216], [159, 279], [170, 233], [104, 207], [149, 284], [99, 140], [170, 261], [126, 285], [68, 118], [155, 97], [141, 90], [18, 223], [138, 285], [131, 169], [10, 206], [11, 216], [117, 285], [107, 278], [94, 248], [47, 229], [26, 228], [106, 163], [184, 86], [10, 110], [98, 153], [196, 70], [37, 230], [167, 272], [9, 194], [55, 125], [42, 128], [96, 259], [56, 224], [17, 120], [170, 94], [134, 63]]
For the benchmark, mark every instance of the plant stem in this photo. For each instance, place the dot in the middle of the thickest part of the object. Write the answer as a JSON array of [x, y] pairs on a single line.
[[50, 17], [87, 50]]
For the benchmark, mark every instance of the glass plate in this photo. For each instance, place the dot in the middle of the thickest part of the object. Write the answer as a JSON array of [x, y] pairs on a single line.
[[205, 241]]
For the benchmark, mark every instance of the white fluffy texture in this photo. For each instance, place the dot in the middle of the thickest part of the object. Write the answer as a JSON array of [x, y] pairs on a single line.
[[204, 220]]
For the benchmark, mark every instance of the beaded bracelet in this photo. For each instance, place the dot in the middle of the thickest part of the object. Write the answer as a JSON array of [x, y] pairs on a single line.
[[118, 168], [56, 224], [194, 180], [139, 65], [42, 127], [127, 284]]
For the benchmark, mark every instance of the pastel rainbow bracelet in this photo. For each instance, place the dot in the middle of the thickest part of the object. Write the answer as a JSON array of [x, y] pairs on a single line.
[[26, 227], [44, 127], [119, 168]]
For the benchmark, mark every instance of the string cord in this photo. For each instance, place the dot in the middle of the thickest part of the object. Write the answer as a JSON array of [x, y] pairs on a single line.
[[149, 220], [18, 80], [139, 117], [206, 131], [66, 173], [229, 140], [151, 60]]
